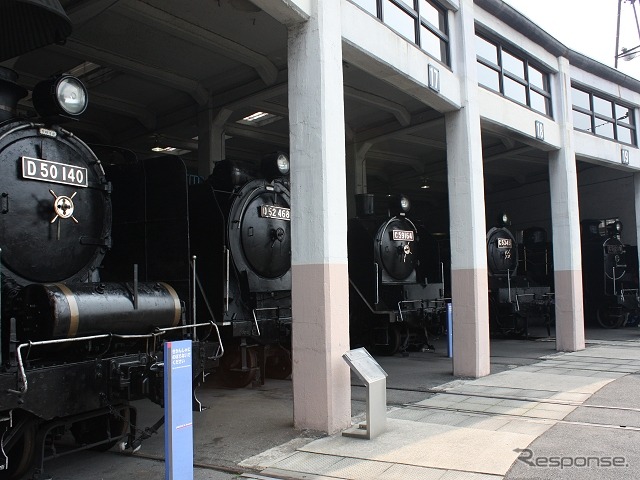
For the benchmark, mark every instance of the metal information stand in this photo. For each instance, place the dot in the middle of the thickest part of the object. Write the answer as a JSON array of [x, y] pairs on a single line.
[[375, 379]]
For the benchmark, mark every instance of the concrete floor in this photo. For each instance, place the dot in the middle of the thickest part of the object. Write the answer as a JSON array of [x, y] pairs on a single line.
[[244, 430]]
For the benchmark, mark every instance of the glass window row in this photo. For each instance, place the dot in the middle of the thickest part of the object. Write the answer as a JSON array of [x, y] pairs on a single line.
[[513, 76], [423, 22], [598, 115]]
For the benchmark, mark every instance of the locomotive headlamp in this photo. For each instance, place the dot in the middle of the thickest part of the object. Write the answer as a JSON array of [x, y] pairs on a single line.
[[275, 165], [615, 228], [282, 162], [504, 220], [405, 204], [65, 95]]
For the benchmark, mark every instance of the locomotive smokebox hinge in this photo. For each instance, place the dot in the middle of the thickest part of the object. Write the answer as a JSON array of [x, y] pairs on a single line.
[[4, 199]]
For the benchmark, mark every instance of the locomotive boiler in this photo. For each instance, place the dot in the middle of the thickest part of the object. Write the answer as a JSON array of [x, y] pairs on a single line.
[[519, 278], [394, 294], [76, 349], [609, 275], [240, 221]]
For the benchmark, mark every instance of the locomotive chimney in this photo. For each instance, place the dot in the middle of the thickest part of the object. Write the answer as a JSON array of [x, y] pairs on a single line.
[[364, 205], [10, 93]]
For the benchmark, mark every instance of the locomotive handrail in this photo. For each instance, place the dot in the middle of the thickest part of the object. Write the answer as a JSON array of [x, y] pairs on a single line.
[[195, 325], [255, 318], [362, 296], [420, 301], [23, 387], [518, 295]]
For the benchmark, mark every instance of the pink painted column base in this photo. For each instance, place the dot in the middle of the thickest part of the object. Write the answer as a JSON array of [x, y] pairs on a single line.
[[471, 353], [569, 312], [321, 377]]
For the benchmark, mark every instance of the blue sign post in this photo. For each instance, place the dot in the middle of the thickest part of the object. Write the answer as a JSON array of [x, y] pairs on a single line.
[[449, 330], [178, 427]]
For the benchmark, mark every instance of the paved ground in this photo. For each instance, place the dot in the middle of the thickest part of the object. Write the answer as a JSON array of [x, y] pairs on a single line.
[[539, 415]]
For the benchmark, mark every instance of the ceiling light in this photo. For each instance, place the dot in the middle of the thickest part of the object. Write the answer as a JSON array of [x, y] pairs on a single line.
[[259, 119]]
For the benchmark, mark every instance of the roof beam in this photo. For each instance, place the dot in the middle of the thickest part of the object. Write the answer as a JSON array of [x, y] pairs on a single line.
[[402, 114], [136, 68], [162, 21]]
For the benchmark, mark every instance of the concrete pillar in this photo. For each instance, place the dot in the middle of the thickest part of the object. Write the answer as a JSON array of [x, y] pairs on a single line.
[[321, 378], [565, 221], [211, 145], [469, 281], [636, 185]]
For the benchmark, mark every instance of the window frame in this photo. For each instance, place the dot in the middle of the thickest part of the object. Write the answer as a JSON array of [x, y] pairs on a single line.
[[419, 22], [525, 82], [594, 116]]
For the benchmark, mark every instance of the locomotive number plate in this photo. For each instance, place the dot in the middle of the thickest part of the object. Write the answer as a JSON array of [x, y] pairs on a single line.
[[271, 211], [46, 171], [504, 243], [402, 235], [614, 249]]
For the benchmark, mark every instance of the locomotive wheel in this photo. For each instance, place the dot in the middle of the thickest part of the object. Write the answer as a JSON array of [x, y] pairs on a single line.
[[94, 430], [22, 453], [610, 317], [394, 339], [232, 374], [278, 364]]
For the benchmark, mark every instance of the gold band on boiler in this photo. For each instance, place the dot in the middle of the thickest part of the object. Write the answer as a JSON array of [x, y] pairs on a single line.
[[74, 315], [176, 301]]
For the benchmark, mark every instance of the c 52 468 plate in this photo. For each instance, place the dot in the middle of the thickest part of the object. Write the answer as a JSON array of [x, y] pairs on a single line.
[[55, 172], [272, 211]]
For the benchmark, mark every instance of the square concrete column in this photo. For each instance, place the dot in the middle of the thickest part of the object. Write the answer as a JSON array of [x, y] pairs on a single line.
[[469, 282], [636, 186], [321, 378], [565, 221], [211, 144]]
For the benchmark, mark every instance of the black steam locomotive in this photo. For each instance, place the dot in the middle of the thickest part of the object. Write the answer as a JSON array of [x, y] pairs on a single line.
[[609, 275], [392, 305], [240, 225], [77, 348], [520, 279]]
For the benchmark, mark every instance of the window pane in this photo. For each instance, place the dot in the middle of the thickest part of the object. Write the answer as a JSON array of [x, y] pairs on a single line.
[[399, 20], [602, 106], [538, 79], [624, 114], [433, 45], [539, 102], [625, 135], [581, 121], [512, 64], [488, 77], [368, 5], [487, 50], [580, 99], [433, 15], [604, 128], [515, 91]]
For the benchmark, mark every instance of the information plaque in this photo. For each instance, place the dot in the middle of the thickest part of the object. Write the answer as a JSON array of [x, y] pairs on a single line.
[[364, 365], [375, 379], [178, 428]]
